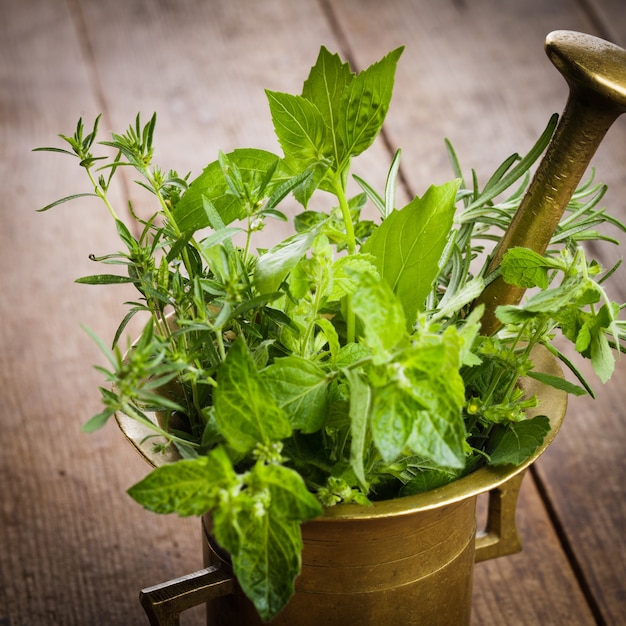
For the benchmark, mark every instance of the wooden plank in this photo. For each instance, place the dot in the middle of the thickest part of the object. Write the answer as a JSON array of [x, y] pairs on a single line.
[[66, 528], [480, 77], [536, 586]]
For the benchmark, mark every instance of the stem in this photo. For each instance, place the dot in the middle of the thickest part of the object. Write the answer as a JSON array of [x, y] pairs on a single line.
[[351, 242], [101, 194]]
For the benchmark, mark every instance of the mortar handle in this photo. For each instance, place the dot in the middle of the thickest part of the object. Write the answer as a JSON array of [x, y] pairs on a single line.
[[500, 536], [165, 602]]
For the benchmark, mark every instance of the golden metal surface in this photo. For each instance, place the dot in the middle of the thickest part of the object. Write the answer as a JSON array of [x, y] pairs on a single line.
[[595, 71]]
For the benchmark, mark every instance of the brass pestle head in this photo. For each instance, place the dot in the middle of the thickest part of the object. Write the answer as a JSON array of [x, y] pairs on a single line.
[[595, 71]]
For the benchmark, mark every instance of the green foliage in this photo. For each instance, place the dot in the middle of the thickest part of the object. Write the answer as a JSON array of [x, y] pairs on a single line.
[[343, 364]]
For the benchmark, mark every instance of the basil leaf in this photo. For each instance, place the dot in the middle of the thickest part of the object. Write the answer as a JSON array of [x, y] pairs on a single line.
[[272, 268], [253, 168], [245, 411], [365, 103], [408, 244], [324, 87], [439, 432], [300, 129], [289, 497]]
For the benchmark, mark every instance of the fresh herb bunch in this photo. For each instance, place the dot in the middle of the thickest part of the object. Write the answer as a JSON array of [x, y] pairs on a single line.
[[345, 363]]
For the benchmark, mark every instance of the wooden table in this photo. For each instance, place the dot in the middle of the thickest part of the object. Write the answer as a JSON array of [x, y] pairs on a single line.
[[74, 549]]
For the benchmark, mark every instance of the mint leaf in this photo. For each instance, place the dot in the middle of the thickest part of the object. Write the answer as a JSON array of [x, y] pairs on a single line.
[[299, 387], [439, 431], [365, 103], [245, 411], [393, 416], [187, 487], [526, 268], [344, 273], [360, 395], [380, 312], [409, 243], [519, 440]]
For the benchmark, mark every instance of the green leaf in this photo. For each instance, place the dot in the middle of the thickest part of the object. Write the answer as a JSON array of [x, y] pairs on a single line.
[[345, 273], [526, 268], [67, 198], [438, 435], [268, 560], [104, 279], [97, 421], [324, 88], [381, 315], [360, 397], [187, 487], [300, 129], [365, 103], [519, 440], [558, 383], [393, 416], [260, 527], [408, 244], [289, 497], [252, 165], [602, 358], [245, 411], [272, 267], [299, 387]]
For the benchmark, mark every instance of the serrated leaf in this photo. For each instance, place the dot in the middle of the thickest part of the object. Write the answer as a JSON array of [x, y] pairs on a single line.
[[365, 103], [439, 432], [344, 273], [187, 487], [300, 129], [393, 416], [268, 560], [381, 315], [520, 440], [408, 244], [245, 411], [526, 268], [289, 497], [299, 387], [324, 87]]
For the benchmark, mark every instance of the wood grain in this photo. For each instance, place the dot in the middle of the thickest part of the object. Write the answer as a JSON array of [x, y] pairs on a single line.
[[74, 549]]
